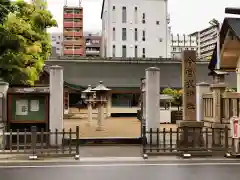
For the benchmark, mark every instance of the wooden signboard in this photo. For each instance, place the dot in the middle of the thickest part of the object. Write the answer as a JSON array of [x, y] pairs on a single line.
[[189, 85]]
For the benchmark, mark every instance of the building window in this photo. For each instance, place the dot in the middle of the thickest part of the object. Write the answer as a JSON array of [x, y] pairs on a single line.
[[143, 35], [124, 34], [124, 51], [114, 34], [124, 14], [143, 18], [136, 52], [114, 14], [143, 52], [136, 15], [136, 34], [114, 51], [192, 48], [157, 22], [174, 49]]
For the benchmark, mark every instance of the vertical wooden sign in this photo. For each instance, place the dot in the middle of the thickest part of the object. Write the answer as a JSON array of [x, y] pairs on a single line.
[[189, 85]]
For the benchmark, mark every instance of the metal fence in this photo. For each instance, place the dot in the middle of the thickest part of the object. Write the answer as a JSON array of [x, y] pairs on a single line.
[[37, 143], [205, 141]]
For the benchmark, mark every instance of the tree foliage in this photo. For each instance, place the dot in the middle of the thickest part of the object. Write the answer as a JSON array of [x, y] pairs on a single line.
[[176, 94], [28, 44]]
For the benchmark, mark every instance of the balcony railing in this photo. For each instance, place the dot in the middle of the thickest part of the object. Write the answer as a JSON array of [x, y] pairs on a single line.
[[74, 52], [73, 24], [73, 42], [73, 33], [72, 15]]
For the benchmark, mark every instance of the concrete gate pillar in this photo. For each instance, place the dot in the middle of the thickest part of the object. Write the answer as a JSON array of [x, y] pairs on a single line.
[[56, 101], [3, 110], [152, 87]]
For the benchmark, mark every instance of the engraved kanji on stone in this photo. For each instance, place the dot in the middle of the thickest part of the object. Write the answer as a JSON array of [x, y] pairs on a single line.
[[189, 72], [190, 84], [190, 61], [190, 93], [191, 106]]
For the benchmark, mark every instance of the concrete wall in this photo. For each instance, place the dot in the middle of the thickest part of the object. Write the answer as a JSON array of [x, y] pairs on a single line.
[[128, 75]]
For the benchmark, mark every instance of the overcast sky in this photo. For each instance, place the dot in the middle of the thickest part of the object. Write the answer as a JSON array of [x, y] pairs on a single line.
[[186, 15]]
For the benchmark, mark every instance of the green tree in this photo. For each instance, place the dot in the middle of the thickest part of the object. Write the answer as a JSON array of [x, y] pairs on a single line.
[[176, 94], [26, 24]]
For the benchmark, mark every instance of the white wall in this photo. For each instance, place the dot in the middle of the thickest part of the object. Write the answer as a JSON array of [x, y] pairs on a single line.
[[56, 39], [155, 10], [180, 43]]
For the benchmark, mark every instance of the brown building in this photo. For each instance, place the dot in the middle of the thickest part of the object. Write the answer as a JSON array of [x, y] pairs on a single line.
[[92, 45], [73, 41]]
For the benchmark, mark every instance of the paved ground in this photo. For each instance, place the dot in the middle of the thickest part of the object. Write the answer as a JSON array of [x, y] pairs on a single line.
[[112, 127], [118, 171]]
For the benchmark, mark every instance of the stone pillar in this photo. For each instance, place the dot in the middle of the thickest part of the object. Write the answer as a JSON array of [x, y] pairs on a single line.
[[3, 111], [109, 105], [152, 87], [217, 125], [191, 129], [100, 116], [217, 90], [56, 101], [201, 89], [89, 107]]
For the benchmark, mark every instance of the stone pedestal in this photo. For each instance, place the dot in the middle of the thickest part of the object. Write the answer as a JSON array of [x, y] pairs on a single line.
[[152, 90], [56, 102], [190, 134], [100, 117], [218, 133], [201, 89], [89, 108]]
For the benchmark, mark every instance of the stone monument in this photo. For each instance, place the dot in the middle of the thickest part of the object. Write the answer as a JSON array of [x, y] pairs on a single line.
[[191, 129]]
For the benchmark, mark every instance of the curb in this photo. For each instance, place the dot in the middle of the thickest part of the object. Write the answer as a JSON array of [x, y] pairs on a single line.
[[116, 160]]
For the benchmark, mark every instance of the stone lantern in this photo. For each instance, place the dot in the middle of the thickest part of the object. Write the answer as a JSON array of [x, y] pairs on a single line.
[[101, 100], [88, 96]]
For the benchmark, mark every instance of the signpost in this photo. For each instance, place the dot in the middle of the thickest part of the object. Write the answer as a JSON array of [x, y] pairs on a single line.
[[235, 131]]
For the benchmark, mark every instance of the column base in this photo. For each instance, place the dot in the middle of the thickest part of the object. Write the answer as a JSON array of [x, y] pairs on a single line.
[[190, 135], [99, 128]]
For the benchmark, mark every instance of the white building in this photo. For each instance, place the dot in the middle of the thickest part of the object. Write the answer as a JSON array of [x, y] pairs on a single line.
[[206, 40], [135, 28], [56, 39], [180, 43]]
